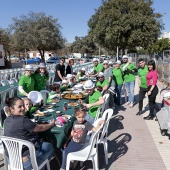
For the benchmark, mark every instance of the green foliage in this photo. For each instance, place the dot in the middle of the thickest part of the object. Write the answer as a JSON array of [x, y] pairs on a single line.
[[83, 45], [125, 23], [37, 31], [159, 46]]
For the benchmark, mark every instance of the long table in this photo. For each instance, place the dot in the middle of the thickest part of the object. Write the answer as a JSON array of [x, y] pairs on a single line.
[[59, 135]]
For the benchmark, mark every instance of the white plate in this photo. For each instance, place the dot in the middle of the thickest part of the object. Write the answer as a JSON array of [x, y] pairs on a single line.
[[59, 126]]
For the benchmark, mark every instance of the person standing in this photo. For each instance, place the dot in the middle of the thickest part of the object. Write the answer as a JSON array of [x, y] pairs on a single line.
[[118, 78], [41, 77], [129, 78], [69, 68], [152, 78], [142, 83], [60, 71], [26, 82]]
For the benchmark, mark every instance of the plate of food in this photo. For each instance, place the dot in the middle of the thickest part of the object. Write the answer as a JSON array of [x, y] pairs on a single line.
[[40, 113], [47, 106], [54, 101], [74, 96], [73, 104]]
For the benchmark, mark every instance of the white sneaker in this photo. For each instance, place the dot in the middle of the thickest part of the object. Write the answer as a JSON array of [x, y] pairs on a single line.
[[131, 104], [127, 103]]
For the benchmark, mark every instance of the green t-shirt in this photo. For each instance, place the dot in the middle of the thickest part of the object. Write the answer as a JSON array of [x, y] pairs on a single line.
[[98, 68], [142, 72], [117, 76], [105, 82], [27, 82], [128, 76], [40, 81], [93, 99]]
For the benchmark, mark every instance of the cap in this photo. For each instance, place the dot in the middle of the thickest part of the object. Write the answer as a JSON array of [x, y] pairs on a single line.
[[42, 65], [105, 62], [101, 74], [64, 82], [95, 59], [88, 84], [125, 56], [29, 67], [118, 62], [69, 76], [83, 69], [110, 62]]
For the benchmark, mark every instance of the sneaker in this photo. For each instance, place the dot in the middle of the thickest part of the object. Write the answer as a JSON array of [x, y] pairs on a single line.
[[131, 104], [127, 103]]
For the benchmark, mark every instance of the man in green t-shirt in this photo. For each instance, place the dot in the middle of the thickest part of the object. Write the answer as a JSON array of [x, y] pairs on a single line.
[[102, 82], [142, 83], [97, 67], [129, 69], [93, 101]]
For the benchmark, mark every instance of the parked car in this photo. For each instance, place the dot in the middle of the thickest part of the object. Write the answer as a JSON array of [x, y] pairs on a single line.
[[14, 58], [31, 61], [54, 60]]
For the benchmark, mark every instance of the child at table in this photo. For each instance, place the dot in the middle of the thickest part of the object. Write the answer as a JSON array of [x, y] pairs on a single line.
[[54, 93], [78, 134], [29, 108]]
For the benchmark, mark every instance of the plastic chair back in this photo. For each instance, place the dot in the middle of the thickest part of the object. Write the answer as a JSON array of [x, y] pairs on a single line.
[[14, 147], [13, 80], [5, 82], [6, 111], [45, 94]]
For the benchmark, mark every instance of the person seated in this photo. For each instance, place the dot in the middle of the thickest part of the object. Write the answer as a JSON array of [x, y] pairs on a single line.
[[28, 105], [21, 127], [81, 73], [64, 86], [69, 79], [102, 82], [54, 93], [77, 138], [92, 101]]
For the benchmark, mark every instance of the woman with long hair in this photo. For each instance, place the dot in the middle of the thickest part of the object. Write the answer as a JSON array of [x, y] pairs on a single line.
[[152, 78]]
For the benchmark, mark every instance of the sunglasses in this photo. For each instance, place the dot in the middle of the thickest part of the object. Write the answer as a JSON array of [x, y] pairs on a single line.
[[105, 64], [100, 77]]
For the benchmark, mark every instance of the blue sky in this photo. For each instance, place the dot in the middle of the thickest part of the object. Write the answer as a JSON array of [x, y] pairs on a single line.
[[72, 14]]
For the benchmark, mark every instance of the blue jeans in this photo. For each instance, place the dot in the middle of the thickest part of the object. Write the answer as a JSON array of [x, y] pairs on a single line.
[[71, 147], [118, 90], [45, 151], [130, 88]]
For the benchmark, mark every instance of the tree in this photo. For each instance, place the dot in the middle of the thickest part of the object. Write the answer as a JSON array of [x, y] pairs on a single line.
[[83, 45], [159, 46], [37, 31], [125, 23], [5, 40]]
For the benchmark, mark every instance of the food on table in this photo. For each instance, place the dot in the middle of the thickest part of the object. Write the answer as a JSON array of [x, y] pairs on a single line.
[[73, 104], [47, 106], [38, 113], [54, 101], [73, 96]]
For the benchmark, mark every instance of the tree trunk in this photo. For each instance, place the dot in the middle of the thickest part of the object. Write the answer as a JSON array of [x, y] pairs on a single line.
[[42, 55]]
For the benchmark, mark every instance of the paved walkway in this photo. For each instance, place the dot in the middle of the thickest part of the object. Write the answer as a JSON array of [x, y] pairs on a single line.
[[134, 144]]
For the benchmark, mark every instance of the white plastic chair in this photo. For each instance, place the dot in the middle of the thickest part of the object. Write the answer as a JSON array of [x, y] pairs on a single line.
[[13, 80], [5, 82], [89, 152], [105, 97], [107, 115], [14, 147], [6, 110], [45, 94], [98, 113]]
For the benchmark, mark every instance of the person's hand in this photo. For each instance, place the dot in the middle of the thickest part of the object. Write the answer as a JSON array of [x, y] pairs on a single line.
[[88, 106], [52, 123], [138, 89], [27, 107], [149, 93]]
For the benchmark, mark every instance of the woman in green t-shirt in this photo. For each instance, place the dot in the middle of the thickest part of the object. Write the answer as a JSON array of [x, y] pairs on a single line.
[[118, 78], [41, 77], [26, 82]]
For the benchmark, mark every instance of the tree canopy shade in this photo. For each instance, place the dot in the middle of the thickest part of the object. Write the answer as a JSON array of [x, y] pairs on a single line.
[[37, 31], [83, 45], [125, 23]]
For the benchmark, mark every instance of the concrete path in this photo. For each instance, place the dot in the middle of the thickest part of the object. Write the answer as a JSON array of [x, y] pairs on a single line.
[[134, 144]]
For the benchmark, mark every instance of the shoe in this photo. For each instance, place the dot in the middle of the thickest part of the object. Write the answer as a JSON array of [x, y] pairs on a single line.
[[156, 119], [131, 104], [139, 113], [127, 103], [149, 117], [163, 132]]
